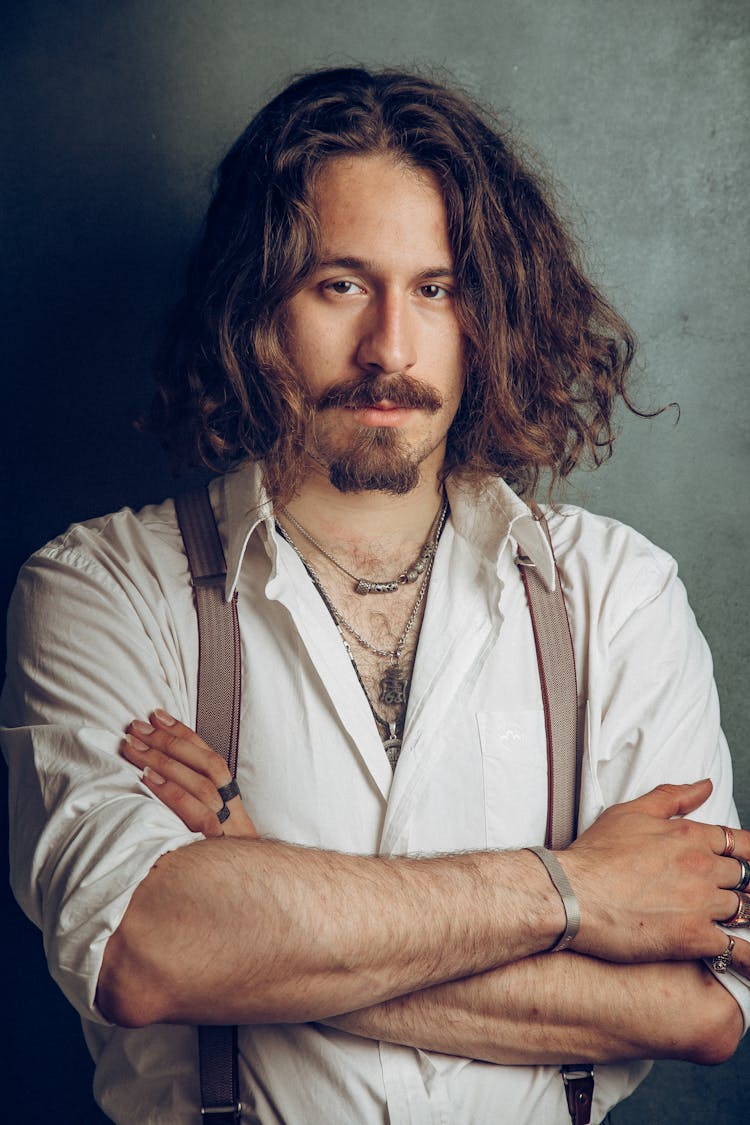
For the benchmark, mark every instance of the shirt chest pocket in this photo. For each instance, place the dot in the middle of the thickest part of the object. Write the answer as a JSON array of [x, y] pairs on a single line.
[[514, 764]]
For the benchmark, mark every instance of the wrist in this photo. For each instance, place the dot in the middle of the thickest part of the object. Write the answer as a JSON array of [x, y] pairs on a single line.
[[541, 908], [566, 894]]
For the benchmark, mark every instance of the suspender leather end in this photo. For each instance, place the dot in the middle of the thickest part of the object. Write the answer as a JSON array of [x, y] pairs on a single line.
[[579, 1090]]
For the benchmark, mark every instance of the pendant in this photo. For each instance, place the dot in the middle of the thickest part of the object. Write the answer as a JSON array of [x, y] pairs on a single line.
[[392, 747], [365, 587], [393, 686]]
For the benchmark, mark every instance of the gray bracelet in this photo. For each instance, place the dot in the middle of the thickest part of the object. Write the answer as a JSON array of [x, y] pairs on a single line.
[[566, 893]]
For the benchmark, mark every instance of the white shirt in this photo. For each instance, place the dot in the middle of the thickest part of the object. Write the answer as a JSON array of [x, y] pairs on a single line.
[[105, 629]]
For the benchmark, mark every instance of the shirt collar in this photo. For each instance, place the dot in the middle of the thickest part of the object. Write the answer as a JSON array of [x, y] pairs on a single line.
[[489, 513], [486, 514], [246, 504]]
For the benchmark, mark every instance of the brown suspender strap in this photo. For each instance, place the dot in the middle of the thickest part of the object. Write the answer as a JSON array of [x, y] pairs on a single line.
[[219, 659], [218, 722], [557, 675]]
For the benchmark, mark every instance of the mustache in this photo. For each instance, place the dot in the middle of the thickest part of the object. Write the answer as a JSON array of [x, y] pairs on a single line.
[[399, 390]]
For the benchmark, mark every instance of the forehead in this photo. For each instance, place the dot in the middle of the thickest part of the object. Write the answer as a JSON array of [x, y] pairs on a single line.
[[377, 207]]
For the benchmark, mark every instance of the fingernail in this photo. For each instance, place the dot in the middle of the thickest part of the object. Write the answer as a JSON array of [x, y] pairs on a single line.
[[135, 743], [164, 718], [153, 776], [142, 728]]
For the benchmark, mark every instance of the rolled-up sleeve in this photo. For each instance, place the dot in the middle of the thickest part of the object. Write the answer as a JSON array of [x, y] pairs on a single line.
[[654, 709], [88, 654]]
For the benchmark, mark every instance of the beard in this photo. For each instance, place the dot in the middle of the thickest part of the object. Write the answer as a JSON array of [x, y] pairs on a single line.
[[375, 459]]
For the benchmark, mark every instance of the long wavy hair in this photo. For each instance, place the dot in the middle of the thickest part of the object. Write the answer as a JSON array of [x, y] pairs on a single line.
[[546, 355]]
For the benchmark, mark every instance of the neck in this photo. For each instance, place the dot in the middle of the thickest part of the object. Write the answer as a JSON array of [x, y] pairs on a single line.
[[357, 522]]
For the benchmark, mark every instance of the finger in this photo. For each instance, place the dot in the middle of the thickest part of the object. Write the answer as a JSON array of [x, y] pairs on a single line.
[[164, 721], [193, 813], [740, 955], [173, 768], [190, 751], [733, 870], [198, 814], [673, 800], [740, 842]]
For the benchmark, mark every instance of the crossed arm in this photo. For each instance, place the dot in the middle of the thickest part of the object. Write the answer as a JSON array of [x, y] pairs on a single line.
[[447, 953]]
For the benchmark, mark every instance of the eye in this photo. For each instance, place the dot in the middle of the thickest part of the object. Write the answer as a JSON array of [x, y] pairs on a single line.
[[342, 288], [434, 292]]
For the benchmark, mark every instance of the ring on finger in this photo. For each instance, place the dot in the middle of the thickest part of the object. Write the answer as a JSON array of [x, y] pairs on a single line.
[[728, 840], [744, 880], [231, 789], [741, 916], [223, 813], [722, 961]]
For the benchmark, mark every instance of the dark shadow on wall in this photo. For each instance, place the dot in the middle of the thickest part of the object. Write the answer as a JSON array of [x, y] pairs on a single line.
[[95, 246]]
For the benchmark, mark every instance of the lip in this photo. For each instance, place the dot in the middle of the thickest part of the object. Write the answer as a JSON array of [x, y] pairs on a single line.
[[383, 414]]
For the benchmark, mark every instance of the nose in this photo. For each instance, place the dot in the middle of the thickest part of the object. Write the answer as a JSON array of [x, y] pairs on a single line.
[[388, 342]]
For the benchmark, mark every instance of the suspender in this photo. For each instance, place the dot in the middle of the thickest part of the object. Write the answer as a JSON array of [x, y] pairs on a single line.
[[218, 709], [557, 675], [217, 721]]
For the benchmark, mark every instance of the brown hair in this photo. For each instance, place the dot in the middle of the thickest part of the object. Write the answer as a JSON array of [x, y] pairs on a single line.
[[547, 356]]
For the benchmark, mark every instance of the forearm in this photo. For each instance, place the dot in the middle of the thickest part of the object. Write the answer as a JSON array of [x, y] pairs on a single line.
[[250, 931], [562, 1008]]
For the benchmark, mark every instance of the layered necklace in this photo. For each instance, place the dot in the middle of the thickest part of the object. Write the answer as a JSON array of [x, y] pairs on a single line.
[[394, 683], [373, 585]]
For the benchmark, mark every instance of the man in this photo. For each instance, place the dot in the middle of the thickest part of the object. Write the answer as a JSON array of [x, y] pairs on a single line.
[[386, 337]]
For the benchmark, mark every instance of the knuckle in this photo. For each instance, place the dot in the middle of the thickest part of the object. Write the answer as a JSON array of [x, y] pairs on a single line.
[[216, 768], [207, 792], [208, 824], [684, 829], [162, 742], [694, 939], [698, 864], [179, 797]]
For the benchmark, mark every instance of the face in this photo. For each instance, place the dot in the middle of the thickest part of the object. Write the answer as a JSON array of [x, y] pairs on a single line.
[[373, 334]]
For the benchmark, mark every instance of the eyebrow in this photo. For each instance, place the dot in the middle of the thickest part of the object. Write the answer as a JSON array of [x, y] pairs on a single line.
[[363, 265]]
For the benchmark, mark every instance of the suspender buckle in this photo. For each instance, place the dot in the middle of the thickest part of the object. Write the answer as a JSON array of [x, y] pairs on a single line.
[[579, 1091], [222, 1114]]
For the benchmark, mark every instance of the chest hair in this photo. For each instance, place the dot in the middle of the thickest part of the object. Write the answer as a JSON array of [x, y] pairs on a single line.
[[380, 619]]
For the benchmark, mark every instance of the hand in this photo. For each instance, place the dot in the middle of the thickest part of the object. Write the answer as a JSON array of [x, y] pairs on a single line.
[[651, 888], [184, 773]]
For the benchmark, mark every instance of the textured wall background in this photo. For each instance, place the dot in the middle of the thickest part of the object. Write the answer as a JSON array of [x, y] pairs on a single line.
[[120, 112]]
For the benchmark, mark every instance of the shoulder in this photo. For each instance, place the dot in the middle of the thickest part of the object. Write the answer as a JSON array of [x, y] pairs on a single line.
[[122, 542], [123, 559], [607, 562]]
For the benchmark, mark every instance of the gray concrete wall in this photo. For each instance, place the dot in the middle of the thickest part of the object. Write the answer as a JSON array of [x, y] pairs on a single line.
[[120, 111]]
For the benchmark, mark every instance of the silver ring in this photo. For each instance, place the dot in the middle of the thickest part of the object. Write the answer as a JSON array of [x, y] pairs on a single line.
[[721, 963], [231, 789], [744, 880], [223, 813]]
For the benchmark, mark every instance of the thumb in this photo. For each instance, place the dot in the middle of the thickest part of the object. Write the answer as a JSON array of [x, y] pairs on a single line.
[[666, 801]]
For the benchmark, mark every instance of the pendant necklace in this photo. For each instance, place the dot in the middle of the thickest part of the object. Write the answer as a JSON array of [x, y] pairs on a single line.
[[394, 684], [371, 585]]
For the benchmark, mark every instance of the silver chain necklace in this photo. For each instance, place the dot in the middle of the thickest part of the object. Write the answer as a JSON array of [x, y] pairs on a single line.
[[372, 586], [394, 685]]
